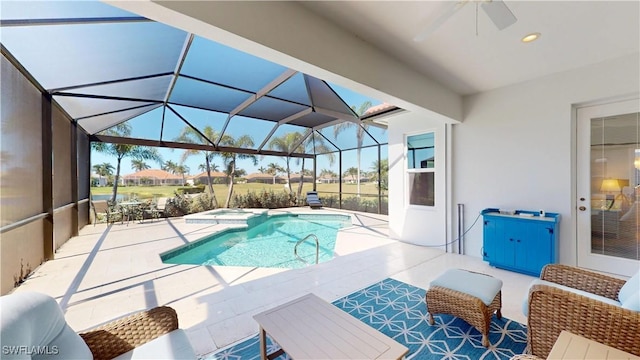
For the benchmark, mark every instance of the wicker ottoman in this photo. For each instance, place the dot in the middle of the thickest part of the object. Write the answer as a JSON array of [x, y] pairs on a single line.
[[471, 296]]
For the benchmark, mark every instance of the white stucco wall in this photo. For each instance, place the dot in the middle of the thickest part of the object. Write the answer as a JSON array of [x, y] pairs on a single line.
[[417, 225], [515, 149], [516, 145]]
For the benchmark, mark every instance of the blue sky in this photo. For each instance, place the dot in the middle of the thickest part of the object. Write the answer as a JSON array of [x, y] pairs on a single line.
[[148, 127]]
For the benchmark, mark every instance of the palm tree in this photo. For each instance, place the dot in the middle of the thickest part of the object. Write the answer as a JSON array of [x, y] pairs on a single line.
[[182, 169], [262, 170], [274, 169], [383, 181], [104, 169], [121, 151], [327, 173], [286, 144], [170, 166], [360, 133], [139, 165], [352, 171], [190, 135], [240, 172], [230, 159], [213, 167]]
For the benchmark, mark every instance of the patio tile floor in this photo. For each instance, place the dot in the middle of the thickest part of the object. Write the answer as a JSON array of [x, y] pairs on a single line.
[[110, 271]]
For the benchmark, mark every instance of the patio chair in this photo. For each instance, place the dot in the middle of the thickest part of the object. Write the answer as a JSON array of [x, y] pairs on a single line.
[[132, 212], [312, 200], [114, 212], [99, 207], [35, 321], [111, 212], [153, 211], [595, 306]]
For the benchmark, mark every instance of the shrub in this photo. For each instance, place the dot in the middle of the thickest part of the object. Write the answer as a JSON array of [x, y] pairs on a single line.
[[191, 189], [263, 199], [354, 203], [178, 205], [202, 202]]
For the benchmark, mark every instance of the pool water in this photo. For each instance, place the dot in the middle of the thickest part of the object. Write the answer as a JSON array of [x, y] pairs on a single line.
[[269, 243]]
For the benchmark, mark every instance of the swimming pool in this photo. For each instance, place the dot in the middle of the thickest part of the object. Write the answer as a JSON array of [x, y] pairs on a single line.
[[268, 243]]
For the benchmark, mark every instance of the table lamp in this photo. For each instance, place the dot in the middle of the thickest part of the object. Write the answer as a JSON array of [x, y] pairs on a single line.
[[610, 187]]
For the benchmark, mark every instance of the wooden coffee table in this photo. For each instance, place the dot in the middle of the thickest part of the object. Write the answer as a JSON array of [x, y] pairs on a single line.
[[574, 347], [311, 328]]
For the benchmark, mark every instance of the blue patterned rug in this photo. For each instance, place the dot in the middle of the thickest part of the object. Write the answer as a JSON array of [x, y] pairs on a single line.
[[398, 310]]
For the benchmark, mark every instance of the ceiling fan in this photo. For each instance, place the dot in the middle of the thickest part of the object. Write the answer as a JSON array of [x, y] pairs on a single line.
[[496, 10]]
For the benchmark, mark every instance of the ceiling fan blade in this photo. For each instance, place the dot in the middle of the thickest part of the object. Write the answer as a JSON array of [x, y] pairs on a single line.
[[499, 13], [437, 19]]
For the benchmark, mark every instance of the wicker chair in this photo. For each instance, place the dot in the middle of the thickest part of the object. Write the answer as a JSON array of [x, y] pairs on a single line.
[[552, 310], [35, 320], [125, 334]]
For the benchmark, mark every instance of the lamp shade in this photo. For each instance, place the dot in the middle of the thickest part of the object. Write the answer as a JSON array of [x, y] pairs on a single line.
[[610, 185]]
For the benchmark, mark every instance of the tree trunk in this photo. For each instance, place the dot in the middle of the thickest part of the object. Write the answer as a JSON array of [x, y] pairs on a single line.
[[301, 183], [289, 176], [115, 182], [233, 170], [214, 201]]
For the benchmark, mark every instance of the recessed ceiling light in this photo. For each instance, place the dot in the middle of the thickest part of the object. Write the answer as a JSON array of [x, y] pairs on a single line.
[[530, 37]]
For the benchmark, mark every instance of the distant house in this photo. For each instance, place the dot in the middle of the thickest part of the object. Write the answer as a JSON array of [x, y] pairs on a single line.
[[97, 180], [295, 178], [265, 178], [327, 179], [352, 179], [217, 177], [151, 177]]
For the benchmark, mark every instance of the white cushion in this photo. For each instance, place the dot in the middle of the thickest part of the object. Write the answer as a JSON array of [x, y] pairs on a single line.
[[35, 321], [173, 345], [484, 287], [632, 303], [525, 303], [631, 287]]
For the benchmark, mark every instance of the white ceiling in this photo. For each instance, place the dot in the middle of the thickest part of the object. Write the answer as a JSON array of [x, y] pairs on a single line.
[[574, 34]]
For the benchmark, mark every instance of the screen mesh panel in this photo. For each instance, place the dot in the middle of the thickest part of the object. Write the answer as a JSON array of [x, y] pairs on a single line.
[[90, 53], [61, 159], [20, 165], [215, 62], [203, 95]]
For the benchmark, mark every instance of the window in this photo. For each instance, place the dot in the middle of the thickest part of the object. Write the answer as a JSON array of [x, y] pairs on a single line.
[[421, 169]]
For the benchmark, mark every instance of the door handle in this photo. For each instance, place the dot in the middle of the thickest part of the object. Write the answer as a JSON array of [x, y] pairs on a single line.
[[582, 208]]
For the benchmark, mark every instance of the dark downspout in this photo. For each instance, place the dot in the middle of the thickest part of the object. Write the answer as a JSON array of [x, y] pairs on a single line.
[[340, 179], [315, 170], [47, 177], [74, 178]]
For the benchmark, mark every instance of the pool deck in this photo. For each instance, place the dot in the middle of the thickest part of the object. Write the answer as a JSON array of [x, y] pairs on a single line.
[[110, 271]]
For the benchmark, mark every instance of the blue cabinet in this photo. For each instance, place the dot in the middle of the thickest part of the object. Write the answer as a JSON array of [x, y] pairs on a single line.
[[523, 242]]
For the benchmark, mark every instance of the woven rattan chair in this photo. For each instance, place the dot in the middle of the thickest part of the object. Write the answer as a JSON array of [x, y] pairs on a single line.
[[552, 310], [125, 334], [35, 321]]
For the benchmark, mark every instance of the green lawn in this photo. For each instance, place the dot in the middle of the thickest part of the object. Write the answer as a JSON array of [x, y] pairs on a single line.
[[148, 192]]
